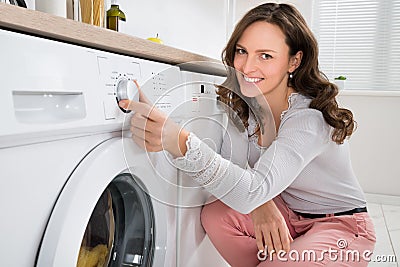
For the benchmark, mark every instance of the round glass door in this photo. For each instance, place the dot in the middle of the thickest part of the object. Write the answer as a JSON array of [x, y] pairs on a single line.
[[120, 231]]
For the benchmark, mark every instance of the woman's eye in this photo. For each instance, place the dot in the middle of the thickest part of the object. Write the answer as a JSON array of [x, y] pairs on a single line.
[[266, 56], [240, 51]]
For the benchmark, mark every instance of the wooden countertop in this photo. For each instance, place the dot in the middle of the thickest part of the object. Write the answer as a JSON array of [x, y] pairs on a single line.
[[74, 32]]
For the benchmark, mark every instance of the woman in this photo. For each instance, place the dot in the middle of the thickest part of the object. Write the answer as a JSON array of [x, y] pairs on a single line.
[[294, 193]]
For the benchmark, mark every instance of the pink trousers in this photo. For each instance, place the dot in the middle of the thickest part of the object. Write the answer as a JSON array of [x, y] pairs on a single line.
[[330, 241]]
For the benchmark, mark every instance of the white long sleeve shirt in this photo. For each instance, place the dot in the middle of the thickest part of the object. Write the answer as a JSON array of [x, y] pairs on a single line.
[[312, 173]]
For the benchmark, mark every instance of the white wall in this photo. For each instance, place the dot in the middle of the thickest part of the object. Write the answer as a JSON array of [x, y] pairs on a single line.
[[305, 7], [375, 144], [201, 27], [191, 25]]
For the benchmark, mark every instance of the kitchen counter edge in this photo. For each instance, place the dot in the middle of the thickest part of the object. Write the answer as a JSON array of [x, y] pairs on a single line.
[[66, 30]]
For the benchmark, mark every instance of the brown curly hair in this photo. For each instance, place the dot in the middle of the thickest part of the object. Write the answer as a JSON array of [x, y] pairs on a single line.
[[307, 79]]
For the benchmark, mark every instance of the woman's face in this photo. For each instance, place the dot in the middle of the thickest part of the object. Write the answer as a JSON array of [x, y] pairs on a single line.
[[262, 59]]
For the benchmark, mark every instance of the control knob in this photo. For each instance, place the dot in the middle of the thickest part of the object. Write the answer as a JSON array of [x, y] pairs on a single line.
[[126, 89]]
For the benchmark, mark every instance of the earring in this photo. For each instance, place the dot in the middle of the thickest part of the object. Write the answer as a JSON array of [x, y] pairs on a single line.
[[290, 75]]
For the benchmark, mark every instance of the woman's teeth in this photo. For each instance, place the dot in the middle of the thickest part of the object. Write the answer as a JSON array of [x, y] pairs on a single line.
[[252, 80]]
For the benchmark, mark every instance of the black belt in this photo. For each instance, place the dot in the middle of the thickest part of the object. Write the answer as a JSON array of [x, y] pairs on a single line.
[[348, 212]]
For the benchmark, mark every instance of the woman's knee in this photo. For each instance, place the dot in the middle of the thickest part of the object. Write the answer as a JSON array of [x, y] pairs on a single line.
[[212, 214]]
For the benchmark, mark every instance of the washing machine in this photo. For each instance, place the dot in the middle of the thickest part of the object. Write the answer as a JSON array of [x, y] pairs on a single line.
[[204, 116], [74, 189]]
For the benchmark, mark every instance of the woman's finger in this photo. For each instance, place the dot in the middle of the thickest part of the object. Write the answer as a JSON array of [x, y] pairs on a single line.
[[286, 239], [140, 122], [152, 137], [276, 239], [142, 96], [290, 237], [147, 111], [139, 141], [138, 107], [259, 240], [268, 242], [145, 141], [138, 132]]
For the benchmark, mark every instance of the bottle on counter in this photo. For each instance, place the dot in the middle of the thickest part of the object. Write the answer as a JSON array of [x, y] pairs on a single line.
[[114, 15]]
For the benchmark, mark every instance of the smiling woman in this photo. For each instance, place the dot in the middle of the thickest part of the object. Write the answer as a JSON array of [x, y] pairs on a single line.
[[283, 180]]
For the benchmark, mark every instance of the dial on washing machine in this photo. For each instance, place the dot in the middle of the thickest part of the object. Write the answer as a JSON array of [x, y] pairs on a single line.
[[126, 89]]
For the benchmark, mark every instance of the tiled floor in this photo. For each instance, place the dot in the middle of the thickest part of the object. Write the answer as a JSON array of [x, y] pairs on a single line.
[[385, 212]]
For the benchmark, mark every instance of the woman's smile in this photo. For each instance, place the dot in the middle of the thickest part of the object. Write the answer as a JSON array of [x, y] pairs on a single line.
[[252, 79]]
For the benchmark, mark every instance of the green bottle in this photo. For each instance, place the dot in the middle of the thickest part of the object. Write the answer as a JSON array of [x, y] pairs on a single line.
[[114, 14]]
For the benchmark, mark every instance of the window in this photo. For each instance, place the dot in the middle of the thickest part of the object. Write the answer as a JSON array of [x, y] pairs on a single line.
[[359, 39]]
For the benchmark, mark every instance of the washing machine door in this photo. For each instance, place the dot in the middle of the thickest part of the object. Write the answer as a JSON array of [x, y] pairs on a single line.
[[104, 216], [121, 227]]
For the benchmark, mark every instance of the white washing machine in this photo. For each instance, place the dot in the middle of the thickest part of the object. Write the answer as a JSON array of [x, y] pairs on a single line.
[[74, 189], [207, 119]]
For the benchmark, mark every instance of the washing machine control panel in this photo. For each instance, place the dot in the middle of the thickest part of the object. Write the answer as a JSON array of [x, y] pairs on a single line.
[[164, 88], [156, 80], [201, 93], [117, 75]]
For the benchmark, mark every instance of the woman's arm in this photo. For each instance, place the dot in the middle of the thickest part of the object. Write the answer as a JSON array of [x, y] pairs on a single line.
[[302, 136]]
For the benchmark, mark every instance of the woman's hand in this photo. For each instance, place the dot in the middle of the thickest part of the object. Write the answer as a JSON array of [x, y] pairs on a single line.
[[270, 228], [152, 130]]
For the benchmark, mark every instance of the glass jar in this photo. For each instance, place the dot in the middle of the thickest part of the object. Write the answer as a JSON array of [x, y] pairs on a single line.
[[92, 12]]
